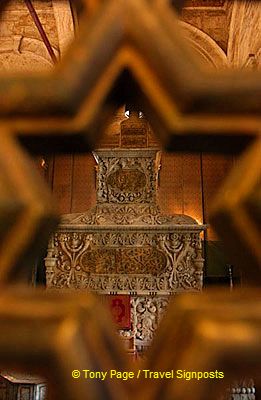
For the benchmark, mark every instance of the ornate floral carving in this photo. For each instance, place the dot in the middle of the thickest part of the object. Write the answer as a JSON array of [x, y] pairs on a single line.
[[147, 313], [127, 192], [125, 178], [139, 260], [126, 214], [126, 261], [125, 244]]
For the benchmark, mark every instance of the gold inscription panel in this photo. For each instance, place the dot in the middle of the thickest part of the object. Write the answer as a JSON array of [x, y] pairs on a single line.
[[145, 260]]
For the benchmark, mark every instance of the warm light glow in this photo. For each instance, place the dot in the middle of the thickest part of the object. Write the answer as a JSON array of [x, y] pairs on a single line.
[[43, 164], [127, 114]]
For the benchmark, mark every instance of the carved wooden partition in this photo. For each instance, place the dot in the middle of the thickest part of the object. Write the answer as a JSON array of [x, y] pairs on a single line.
[[129, 44]]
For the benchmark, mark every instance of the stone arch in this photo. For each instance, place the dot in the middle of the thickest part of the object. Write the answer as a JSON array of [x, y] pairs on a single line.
[[209, 51], [24, 54], [19, 53]]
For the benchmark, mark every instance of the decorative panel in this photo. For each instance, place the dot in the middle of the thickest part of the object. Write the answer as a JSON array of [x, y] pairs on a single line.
[[147, 313], [126, 176], [124, 244], [113, 260]]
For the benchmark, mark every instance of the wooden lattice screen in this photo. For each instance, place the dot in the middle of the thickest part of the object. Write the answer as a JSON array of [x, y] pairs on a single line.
[[136, 48]]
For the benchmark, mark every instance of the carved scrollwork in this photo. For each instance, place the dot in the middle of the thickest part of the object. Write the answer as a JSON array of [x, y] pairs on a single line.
[[126, 214], [68, 250], [182, 250], [126, 182], [126, 179], [147, 313], [141, 260], [125, 244], [145, 260], [139, 214], [127, 261]]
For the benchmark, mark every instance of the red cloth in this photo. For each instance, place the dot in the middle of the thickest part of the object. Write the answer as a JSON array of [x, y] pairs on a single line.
[[120, 309]]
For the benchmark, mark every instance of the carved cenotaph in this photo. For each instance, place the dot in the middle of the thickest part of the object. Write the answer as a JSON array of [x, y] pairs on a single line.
[[125, 245]]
